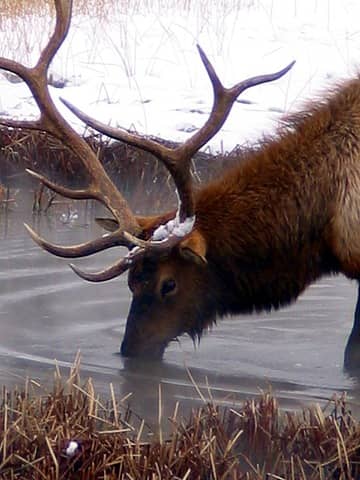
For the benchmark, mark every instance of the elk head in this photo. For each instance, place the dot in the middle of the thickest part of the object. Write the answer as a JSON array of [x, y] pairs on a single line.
[[167, 254]]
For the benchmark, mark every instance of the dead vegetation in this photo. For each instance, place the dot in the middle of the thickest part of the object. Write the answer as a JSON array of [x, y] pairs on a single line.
[[22, 8], [140, 176], [101, 9], [71, 433]]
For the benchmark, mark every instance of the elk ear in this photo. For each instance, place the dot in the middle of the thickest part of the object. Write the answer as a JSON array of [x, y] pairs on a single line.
[[109, 224], [194, 248]]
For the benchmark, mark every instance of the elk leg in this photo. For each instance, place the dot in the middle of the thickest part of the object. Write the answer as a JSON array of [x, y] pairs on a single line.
[[352, 349]]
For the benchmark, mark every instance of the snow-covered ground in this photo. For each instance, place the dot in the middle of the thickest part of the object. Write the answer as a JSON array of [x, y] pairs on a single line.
[[142, 71]]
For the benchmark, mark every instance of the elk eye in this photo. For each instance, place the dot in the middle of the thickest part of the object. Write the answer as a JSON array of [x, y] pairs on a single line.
[[168, 286]]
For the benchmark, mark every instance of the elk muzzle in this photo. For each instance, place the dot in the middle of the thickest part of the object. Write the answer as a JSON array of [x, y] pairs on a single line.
[[144, 336]]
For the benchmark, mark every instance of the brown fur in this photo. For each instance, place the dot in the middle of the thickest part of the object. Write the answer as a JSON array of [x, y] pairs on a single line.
[[270, 226]]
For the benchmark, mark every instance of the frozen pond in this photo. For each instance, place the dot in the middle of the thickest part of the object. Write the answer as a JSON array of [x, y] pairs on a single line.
[[47, 313]]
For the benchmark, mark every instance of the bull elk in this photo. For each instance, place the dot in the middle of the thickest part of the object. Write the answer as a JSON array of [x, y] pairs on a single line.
[[252, 240]]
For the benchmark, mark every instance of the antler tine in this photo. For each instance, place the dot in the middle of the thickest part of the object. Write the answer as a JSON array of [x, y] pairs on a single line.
[[177, 160], [113, 270], [65, 192], [168, 156], [81, 250], [63, 9], [36, 77], [159, 246], [224, 99], [101, 187], [133, 139]]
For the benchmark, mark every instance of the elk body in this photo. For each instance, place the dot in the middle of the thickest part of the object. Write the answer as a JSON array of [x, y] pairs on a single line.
[[285, 216], [252, 240]]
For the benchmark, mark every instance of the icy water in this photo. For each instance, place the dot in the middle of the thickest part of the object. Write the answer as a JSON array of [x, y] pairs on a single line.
[[48, 313]]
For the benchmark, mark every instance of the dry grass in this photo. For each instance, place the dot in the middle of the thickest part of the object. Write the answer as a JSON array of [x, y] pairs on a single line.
[[139, 176], [23, 8], [256, 442], [23, 23], [102, 8]]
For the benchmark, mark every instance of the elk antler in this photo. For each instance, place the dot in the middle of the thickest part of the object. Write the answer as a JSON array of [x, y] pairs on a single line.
[[176, 160], [101, 187]]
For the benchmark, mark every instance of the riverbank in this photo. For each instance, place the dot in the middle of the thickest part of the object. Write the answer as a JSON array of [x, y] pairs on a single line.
[[70, 432]]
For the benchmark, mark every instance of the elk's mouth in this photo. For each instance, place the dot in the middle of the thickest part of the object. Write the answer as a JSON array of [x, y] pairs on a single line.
[[151, 352]]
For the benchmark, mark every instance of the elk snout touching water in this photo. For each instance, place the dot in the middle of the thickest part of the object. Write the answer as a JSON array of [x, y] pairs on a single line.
[[252, 240]]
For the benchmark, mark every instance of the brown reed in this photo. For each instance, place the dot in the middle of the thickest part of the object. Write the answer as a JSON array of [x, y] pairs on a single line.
[[257, 441], [139, 176]]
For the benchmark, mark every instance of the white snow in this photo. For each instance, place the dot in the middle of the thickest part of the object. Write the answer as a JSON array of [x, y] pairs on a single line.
[[174, 227], [143, 71], [71, 448]]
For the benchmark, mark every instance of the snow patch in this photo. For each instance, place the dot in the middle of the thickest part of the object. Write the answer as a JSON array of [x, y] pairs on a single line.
[[174, 227], [133, 74], [71, 448]]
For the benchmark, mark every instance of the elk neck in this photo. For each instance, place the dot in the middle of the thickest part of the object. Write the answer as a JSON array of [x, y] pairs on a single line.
[[271, 214]]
